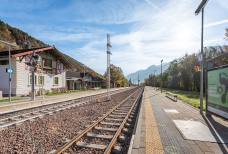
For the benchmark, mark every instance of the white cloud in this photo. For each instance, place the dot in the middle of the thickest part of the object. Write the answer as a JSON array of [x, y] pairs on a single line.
[[217, 23], [154, 31]]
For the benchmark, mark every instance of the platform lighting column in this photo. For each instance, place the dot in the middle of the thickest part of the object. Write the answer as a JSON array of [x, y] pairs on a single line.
[[9, 70], [161, 75], [198, 10]]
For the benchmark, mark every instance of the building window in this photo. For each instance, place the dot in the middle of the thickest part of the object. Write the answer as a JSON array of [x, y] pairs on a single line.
[[47, 63], [30, 79], [4, 62], [56, 80], [41, 80]]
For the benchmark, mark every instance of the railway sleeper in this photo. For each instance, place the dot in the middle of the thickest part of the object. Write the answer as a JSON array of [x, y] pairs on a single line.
[[93, 146], [117, 116], [119, 113], [122, 139], [117, 149], [113, 119], [106, 129], [110, 123], [126, 131], [94, 135]]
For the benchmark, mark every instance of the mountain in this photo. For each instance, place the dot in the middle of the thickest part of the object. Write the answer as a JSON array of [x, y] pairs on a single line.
[[19, 38], [143, 74]]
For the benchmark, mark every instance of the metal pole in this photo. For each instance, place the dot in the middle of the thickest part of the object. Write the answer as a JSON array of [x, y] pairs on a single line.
[[42, 77], [202, 65], [10, 76], [33, 79], [109, 78], [108, 64], [138, 79], [161, 75], [84, 77], [154, 78]]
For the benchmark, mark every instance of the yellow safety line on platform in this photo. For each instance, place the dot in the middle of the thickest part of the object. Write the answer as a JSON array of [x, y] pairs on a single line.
[[152, 138]]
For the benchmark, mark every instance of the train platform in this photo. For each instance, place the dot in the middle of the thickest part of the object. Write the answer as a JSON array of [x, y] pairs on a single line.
[[7, 107], [165, 126]]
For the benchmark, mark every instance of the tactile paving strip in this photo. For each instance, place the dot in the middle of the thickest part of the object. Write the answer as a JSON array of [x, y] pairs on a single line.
[[153, 142]]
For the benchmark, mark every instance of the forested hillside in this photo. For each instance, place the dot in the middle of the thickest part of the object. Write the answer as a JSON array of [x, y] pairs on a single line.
[[184, 73], [17, 37], [143, 74]]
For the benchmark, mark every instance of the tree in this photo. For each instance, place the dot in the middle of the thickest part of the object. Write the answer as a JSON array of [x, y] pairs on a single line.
[[226, 34], [117, 77]]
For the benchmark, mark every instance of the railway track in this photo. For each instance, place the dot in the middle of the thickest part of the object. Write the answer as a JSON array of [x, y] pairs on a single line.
[[109, 133], [18, 117]]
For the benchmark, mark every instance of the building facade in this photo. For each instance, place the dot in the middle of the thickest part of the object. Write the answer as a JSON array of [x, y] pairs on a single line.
[[49, 76]]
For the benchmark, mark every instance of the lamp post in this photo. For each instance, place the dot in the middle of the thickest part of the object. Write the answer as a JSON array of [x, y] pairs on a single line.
[[198, 10], [9, 70], [161, 75]]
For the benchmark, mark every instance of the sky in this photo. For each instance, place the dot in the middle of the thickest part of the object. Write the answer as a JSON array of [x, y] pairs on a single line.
[[142, 31]]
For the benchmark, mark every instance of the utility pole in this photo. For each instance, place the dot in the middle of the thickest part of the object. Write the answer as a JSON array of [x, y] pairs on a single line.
[[33, 63], [198, 10], [9, 70], [108, 64], [161, 75]]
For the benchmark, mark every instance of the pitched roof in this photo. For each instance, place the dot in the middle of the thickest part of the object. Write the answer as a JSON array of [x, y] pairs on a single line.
[[70, 63]]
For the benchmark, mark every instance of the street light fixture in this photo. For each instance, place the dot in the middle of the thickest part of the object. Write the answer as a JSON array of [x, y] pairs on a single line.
[[9, 70], [198, 10]]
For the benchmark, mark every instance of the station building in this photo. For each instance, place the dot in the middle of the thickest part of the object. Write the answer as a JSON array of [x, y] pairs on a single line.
[[82, 77], [55, 72]]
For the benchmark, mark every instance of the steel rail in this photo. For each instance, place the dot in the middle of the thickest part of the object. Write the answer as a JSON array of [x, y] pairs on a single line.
[[118, 132], [85, 131], [81, 99], [50, 109]]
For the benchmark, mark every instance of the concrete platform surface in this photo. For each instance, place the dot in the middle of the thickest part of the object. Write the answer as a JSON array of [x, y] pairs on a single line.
[[20, 105], [193, 133]]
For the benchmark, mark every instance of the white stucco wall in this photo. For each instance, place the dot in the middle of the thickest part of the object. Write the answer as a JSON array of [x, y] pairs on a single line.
[[20, 79], [4, 79], [23, 75]]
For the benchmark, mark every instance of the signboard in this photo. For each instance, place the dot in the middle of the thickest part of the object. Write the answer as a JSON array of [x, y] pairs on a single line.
[[217, 90], [8, 70]]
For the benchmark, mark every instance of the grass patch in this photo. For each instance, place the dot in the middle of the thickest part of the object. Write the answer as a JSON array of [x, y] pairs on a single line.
[[189, 97], [67, 92], [7, 100]]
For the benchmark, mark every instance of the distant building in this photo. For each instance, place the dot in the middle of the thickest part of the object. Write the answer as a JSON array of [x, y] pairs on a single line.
[[55, 72], [82, 77]]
